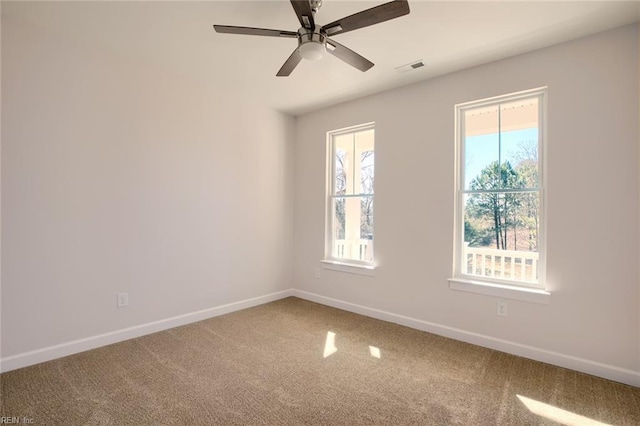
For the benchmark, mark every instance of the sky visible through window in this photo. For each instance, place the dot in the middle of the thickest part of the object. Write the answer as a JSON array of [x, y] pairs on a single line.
[[482, 150]]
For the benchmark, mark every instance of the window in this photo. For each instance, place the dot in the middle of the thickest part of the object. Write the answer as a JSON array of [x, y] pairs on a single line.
[[499, 214], [349, 234]]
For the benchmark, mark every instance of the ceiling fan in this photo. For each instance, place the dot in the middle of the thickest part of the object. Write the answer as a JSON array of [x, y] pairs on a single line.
[[313, 40]]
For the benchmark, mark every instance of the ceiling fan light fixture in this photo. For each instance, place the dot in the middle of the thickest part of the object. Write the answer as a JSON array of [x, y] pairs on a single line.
[[312, 50]]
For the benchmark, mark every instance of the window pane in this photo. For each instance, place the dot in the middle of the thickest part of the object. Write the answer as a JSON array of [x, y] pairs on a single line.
[[481, 121], [481, 141], [519, 139], [353, 156], [338, 219], [502, 137], [501, 235], [364, 140], [519, 114], [340, 181], [526, 161], [505, 221], [343, 163], [364, 157], [520, 153], [353, 228], [366, 218], [366, 172]]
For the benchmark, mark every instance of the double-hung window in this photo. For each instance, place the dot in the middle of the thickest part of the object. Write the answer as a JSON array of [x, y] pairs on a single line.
[[349, 230], [499, 212]]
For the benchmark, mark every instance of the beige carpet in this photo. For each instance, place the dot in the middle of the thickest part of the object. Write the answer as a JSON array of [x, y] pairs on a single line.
[[267, 366]]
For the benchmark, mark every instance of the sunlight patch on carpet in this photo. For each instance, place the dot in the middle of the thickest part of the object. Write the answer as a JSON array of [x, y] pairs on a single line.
[[330, 344], [375, 352], [558, 414]]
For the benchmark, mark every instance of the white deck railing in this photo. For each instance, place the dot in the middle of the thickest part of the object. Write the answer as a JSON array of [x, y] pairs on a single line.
[[354, 249], [507, 264], [485, 262]]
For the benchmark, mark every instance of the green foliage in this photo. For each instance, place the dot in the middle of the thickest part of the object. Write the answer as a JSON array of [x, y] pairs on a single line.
[[497, 218], [476, 237]]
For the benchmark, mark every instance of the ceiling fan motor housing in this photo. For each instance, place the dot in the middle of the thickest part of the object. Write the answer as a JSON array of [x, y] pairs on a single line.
[[312, 44]]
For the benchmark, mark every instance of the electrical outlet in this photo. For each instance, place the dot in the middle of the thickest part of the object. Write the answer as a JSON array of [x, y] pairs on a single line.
[[123, 300], [317, 273], [502, 309]]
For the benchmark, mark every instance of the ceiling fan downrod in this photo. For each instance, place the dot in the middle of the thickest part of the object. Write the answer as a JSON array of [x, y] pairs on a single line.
[[315, 5]]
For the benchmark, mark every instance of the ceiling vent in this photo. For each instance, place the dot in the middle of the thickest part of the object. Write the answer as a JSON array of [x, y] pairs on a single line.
[[410, 67]]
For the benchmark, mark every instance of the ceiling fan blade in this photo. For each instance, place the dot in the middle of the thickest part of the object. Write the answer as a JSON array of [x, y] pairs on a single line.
[[290, 64], [348, 55], [375, 15], [230, 29], [304, 13]]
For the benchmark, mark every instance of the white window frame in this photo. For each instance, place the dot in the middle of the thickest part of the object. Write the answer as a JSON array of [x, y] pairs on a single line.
[[330, 261], [495, 286]]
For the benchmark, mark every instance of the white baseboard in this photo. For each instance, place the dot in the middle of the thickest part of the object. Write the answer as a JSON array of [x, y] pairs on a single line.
[[594, 368], [52, 352], [606, 371]]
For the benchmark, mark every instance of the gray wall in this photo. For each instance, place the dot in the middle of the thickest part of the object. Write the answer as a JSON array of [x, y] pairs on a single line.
[[120, 177], [591, 209]]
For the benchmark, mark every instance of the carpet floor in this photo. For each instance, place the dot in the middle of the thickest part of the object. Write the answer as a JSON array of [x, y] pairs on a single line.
[[294, 362]]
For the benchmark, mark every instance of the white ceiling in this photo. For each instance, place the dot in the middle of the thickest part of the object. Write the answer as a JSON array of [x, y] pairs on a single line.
[[446, 35]]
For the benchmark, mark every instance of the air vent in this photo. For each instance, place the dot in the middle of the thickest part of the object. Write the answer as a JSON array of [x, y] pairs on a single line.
[[410, 66]]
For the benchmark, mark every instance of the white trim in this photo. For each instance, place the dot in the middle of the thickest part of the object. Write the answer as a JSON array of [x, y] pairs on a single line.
[[350, 268], [352, 129], [595, 368], [502, 98], [526, 294], [458, 232], [69, 348], [329, 188]]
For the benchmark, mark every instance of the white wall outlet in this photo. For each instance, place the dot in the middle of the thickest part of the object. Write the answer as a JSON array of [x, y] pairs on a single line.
[[123, 300], [502, 309], [317, 273]]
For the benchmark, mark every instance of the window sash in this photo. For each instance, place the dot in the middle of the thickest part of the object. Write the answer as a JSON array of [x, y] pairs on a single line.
[[461, 191], [356, 187]]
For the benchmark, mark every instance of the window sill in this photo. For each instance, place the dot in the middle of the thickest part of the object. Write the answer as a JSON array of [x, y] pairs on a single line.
[[350, 268], [533, 295]]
